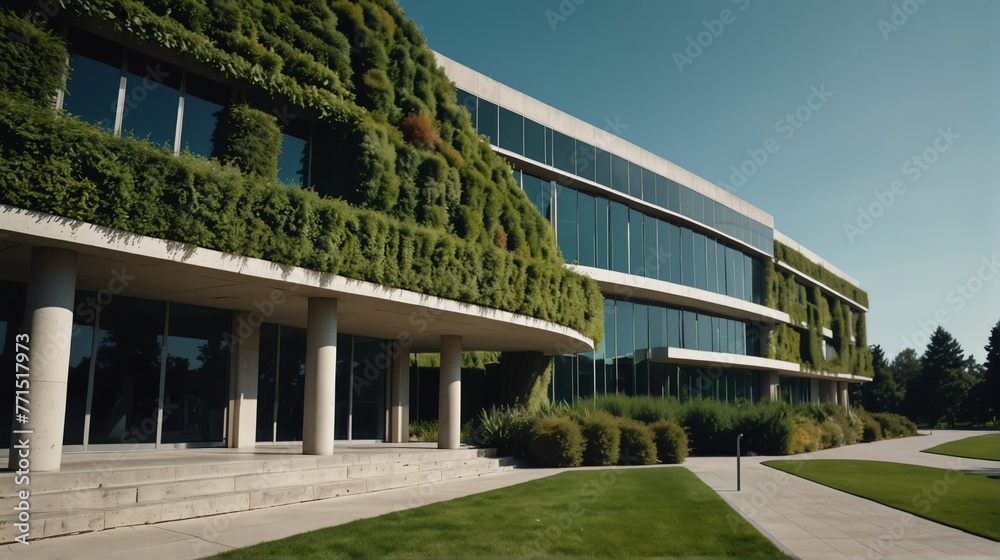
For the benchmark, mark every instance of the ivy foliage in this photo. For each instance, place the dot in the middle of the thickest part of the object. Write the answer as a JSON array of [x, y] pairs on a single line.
[[249, 139], [416, 211], [34, 60], [799, 262]]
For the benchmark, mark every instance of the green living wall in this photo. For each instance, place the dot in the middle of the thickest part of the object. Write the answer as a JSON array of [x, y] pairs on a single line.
[[407, 195]]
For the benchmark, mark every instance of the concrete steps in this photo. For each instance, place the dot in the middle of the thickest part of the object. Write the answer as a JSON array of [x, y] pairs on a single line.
[[64, 503]]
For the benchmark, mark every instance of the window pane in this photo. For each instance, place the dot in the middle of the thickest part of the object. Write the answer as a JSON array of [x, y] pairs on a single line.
[[80, 357], [709, 217], [603, 167], [625, 354], [511, 131], [619, 237], [152, 90], [738, 273], [648, 186], [699, 262], [564, 152], [197, 375], [690, 337], [619, 174], [687, 257], [94, 79], [267, 377], [539, 192], [704, 332], [673, 328], [585, 374], [587, 229], [488, 120], [635, 180], [585, 160], [293, 161], [724, 335], [720, 265], [687, 202], [467, 100], [610, 377], [650, 255], [641, 334], [663, 256], [657, 326], [698, 207], [662, 190], [534, 140], [747, 277], [566, 231], [368, 410], [675, 254], [636, 264], [291, 383], [127, 372], [602, 232], [731, 272], [674, 192], [202, 102], [710, 262]]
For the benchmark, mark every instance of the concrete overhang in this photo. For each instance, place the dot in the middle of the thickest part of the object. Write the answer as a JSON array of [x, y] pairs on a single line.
[[113, 262], [688, 357], [638, 287]]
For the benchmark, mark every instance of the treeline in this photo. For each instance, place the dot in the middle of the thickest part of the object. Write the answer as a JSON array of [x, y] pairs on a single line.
[[941, 386]]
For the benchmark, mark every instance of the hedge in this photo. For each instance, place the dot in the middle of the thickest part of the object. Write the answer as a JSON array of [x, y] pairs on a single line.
[[556, 442]]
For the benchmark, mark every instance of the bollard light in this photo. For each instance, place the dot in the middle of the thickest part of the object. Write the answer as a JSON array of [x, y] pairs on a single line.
[[738, 438]]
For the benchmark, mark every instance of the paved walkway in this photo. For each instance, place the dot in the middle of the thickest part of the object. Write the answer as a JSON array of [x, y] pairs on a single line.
[[805, 519], [809, 520]]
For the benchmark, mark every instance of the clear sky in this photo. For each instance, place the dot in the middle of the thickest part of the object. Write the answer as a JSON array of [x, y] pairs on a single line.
[[845, 93]]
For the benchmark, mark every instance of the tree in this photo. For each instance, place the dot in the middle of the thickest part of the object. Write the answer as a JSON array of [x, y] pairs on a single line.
[[985, 394], [883, 393], [906, 369], [943, 383]]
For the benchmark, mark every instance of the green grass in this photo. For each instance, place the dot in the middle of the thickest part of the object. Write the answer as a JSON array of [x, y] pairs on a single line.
[[970, 502], [985, 447], [587, 513]]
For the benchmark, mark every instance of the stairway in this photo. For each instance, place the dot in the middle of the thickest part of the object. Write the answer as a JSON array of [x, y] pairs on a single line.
[[102, 497]]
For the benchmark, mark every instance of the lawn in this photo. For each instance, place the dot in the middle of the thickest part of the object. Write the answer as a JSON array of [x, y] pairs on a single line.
[[970, 502], [587, 513], [985, 447]]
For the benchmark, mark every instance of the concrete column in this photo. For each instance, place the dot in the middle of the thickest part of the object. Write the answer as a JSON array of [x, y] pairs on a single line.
[[831, 387], [245, 350], [450, 393], [321, 373], [844, 401], [769, 386], [399, 413], [814, 385], [49, 324]]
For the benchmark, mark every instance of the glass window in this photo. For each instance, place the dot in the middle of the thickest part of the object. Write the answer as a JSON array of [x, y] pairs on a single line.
[[370, 361], [690, 326], [343, 385], [651, 255], [648, 186], [758, 281], [625, 355], [81, 356], [709, 217], [95, 70], [704, 332], [291, 383], [467, 100], [698, 207], [566, 227], [539, 192], [619, 174], [127, 372], [488, 118], [563, 374], [731, 272], [700, 281], [687, 202], [585, 374], [585, 160], [634, 180], [657, 326], [675, 254], [673, 328], [534, 140], [716, 347], [720, 265], [733, 346], [747, 277], [739, 280], [511, 131], [710, 262], [661, 185], [197, 375], [641, 342], [293, 160], [587, 229], [563, 152], [663, 256], [687, 257], [636, 264], [619, 237], [603, 167], [610, 379], [203, 100], [152, 90], [674, 194], [267, 377], [724, 335], [602, 232]]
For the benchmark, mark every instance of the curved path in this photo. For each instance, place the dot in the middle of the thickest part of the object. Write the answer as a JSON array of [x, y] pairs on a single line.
[[810, 520]]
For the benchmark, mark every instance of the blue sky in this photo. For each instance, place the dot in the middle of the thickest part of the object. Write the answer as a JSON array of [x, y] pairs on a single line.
[[845, 93]]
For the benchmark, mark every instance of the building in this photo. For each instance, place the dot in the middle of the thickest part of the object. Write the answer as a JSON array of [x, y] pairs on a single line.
[[157, 321]]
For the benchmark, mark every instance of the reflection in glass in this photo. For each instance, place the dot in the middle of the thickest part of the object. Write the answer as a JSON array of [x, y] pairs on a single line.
[[95, 70], [563, 152], [81, 354], [539, 192], [585, 160], [651, 255], [566, 229], [267, 375], [587, 227], [610, 347], [619, 237], [603, 167], [291, 383], [371, 366], [342, 387], [601, 215], [619, 174], [294, 158], [511, 131], [534, 140], [152, 91], [636, 260], [488, 115], [625, 355], [202, 102]]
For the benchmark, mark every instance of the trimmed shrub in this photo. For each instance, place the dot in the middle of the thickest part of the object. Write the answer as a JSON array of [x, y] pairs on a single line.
[[766, 428], [249, 139], [671, 442], [871, 430], [637, 446], [709, 426], [419, 129], [34, 59], [603, 437], [894, 425], [556, 441]]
